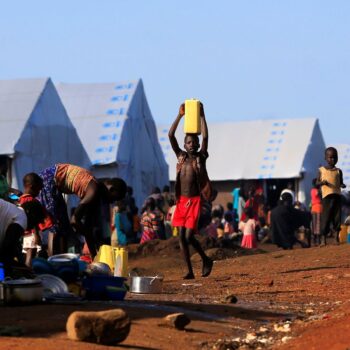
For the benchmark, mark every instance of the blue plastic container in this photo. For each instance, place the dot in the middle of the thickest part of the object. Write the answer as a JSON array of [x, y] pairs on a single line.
[[96, 287], [348, 240], [42, 266]]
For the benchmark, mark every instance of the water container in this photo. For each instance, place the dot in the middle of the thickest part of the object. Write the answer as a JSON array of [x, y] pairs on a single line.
[[121, 262], [192, 123], [2, 272], [105, 255], [343, 234], [348, 237]]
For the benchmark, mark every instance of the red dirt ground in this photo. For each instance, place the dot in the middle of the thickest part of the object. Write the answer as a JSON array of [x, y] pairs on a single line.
[[296, 299]]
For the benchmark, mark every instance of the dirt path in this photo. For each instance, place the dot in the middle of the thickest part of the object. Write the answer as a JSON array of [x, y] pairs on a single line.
[[286, 299]]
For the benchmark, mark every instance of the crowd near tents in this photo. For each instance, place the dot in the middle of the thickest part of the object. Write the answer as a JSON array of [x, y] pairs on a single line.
[[108, 128], [269, 152]]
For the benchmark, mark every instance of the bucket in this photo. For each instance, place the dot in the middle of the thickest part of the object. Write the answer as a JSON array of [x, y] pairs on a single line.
[[192, 123], [343, 234], [120, 262]]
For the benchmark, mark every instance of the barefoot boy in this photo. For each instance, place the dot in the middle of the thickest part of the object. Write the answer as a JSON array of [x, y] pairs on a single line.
[[330, 178], [191, 182]]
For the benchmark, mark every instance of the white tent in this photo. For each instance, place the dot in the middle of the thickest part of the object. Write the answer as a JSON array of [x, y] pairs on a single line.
[[35, 130], [117, 129], [344, 162], [260, 149]]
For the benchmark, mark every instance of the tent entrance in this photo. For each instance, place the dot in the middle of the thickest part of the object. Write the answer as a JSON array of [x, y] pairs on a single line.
[[274, 188]]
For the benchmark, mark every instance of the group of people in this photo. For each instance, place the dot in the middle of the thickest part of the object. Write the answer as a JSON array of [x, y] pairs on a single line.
[[107, 214], [40, 214]]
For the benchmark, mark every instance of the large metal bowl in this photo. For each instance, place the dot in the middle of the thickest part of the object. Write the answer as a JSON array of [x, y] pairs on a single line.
[[146, 285], [22, 291]]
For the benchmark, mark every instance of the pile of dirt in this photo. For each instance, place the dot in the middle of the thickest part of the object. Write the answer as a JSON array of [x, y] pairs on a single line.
[[171, 248], [157, 247], [227, 253]]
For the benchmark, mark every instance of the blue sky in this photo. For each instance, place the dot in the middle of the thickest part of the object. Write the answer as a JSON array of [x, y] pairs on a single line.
[[243, 59]]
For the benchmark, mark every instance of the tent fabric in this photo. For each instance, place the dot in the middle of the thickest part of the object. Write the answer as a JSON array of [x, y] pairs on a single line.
[[35, 128], [118, 132], [260, 149]]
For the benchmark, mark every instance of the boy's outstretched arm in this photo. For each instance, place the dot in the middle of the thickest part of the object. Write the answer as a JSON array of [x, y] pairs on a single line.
[[173, 128], [342, 185], [204, 130]]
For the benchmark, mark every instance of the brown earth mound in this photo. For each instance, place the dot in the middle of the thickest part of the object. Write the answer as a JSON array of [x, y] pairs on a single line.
[[171, 248]]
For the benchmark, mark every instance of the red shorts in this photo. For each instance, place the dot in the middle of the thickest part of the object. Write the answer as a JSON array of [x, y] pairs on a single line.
[[187, 212]]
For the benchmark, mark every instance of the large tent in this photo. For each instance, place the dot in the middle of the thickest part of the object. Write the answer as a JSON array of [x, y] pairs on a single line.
[[259, 150], [118, 132], [35, 130]]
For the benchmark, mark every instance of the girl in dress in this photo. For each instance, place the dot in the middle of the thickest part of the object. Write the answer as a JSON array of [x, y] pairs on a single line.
[[248, 228]]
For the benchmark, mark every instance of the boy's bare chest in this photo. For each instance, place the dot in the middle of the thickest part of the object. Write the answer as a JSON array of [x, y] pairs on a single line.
[[187, 168]]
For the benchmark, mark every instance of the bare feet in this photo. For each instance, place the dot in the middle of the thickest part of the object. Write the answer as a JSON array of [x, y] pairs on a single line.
[[189, 276], [207, 266]]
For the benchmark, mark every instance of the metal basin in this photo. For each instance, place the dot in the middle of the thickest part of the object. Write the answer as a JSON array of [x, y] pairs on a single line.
[[146, 285], [22, 291]]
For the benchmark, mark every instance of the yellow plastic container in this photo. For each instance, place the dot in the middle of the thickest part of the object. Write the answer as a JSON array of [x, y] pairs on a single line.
[[105, 255], [343, 234], [120, 262], [192, 123]]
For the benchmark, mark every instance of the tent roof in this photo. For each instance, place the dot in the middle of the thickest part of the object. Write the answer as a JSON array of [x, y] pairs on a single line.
[[98, 112], [17, 101], [250, 149]]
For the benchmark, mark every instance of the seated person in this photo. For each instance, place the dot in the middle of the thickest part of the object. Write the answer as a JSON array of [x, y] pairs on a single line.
[[14, 221]]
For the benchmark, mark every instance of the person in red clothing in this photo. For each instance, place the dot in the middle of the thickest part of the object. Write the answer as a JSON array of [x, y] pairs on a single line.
[[33, 184], [252, 203], [316, 211], [191, 184]]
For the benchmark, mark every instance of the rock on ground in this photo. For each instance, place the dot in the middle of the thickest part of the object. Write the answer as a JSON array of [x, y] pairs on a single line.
[[103, 327], [178, 321]]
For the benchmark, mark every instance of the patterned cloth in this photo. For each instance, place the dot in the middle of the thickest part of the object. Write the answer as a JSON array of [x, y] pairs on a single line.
[[150, 224], [51, 198], [72, 179]]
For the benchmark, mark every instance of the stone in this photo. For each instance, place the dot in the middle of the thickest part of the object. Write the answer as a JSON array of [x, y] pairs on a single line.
[[230, 299], [178, 321], [102, 327]]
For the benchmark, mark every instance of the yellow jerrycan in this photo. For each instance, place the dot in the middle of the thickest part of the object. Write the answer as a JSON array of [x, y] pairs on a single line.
[[105, 255], [192, 123], [120, 262], [343, 234]]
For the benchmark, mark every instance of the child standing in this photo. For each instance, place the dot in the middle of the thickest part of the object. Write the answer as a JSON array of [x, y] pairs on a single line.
[[191, 184], [248, 227], [316, 210], [150, 222], [33, 184], [330, 178]]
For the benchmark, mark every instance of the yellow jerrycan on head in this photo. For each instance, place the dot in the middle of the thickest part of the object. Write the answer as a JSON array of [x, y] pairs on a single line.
[[192, 123], [120, 262]]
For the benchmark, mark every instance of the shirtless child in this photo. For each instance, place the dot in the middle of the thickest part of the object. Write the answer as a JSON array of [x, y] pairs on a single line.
[[192, 182]]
